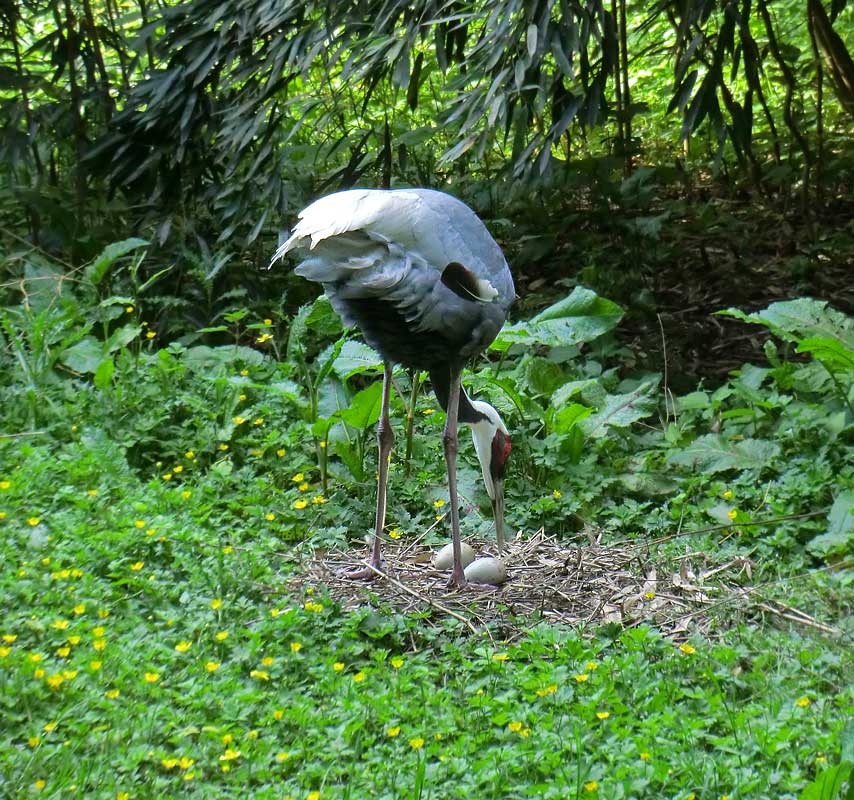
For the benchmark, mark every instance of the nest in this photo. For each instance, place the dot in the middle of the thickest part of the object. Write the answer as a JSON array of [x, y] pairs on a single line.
[[587, 585]]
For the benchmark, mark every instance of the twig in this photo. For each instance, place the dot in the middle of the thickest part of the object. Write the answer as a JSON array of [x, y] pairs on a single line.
[[423, 598]]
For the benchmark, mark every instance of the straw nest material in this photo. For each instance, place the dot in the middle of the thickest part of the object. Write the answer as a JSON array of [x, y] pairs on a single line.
[[579, 585]]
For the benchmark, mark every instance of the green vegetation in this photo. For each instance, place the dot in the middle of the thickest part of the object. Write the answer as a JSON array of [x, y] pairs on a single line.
[[184, 433]]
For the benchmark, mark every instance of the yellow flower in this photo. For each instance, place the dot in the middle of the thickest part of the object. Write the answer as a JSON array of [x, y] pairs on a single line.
[[338, 666], [112, 694], [650, 595], [228, 549], [280, 452], [556, 494], [298, 478], [103, 613], [227, 739], [296, 647], [438, 503], [212, 666], [397, 662], [183, 646], [238, 420], [591, 786], [74, 640], [99, 630], [169, 763], [95, 665], [60, 624], [137, 566], [732, 514], [644, 756], [313, 796], [99, 644], [803, 702], [268, 661], [49, 726], [260, 675], [270, 517], [525, 732], [223, 446], [268, 322], [264, 337], [186, 763], [393, 731], [177, 468], [34, 741], [253, 735], [312, 606], [33, 521], [303, 487], [590, 666], [9, 638], [4, 651], [322, 444], [500, 657], [38, 674], [152, 677], [69, 674], [55, 680], [244, 372], [514, 726], [241, 397], [300, 504], [603, 714], [417, 743], [395, 534], [359, 677], [428, 411], [687, 649], [92, 492], [258, 421], [283, 756], [167, 476], [221, 636], [4, 485], [40, 784], [230, 755], [278, 713], [582, 678], [186, 494], [140, 523], [63, 652], [216, 603], [36, 657], [727, 494], [548, 690], [150, 335]]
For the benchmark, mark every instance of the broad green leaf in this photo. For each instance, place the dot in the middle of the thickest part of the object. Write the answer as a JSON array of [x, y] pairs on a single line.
[[800, 319], [581, 317], [97, 269], [364, 409], [122, 337], [839, 537], [104, 374], [355, 357], [712, 453], [831, 352], [830, 783], [621, 411], [85, 356], [567, 418]]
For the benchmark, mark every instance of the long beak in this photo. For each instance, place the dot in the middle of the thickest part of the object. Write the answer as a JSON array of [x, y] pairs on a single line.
[[498, 511]]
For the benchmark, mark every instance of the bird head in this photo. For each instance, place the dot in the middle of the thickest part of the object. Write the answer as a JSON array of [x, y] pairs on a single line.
[[492, 444]]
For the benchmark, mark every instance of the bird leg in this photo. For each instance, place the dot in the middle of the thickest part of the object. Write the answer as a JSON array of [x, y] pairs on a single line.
[[385, 439], [451, 443]]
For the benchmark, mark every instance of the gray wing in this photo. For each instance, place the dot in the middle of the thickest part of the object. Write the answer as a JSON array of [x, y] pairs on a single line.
[[396, 245]]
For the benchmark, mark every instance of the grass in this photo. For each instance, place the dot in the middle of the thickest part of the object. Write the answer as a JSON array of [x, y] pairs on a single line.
[[150, 651]]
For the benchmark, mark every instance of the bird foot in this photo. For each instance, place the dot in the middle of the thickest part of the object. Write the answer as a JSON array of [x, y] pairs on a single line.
[[368, 573], [457, 580]]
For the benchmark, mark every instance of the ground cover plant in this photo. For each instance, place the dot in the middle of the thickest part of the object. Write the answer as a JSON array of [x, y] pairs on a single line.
[[156, 496]]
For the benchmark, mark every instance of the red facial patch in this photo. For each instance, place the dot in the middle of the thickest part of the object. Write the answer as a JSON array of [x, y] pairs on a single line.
[[501, 448]]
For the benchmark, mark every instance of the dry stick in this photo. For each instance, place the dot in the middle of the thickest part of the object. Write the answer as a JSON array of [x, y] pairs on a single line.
[[423, 598], [661, 539]]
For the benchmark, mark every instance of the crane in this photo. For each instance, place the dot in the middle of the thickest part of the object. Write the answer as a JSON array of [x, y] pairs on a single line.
[[419, 274]]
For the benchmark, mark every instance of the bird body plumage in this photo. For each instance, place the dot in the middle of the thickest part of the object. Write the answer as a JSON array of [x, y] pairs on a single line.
[[380, 256], [419, 274]]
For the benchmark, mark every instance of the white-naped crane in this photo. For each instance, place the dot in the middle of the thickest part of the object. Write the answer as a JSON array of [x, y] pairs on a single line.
[[419, 274]]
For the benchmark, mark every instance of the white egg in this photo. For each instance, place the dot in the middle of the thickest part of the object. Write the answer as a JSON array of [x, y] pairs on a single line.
[[486, 570], [444, 558]]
